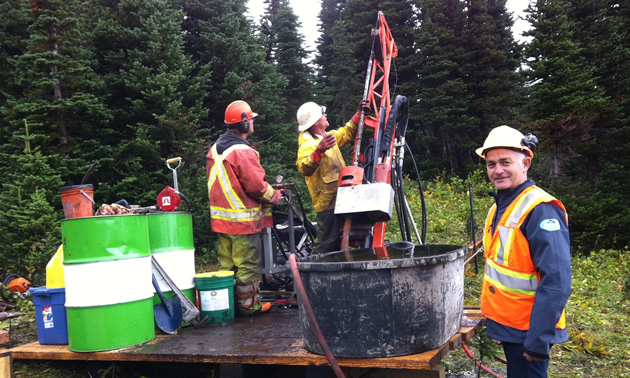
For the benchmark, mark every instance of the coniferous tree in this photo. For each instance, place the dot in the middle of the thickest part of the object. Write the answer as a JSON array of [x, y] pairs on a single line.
[[443, 93], [599, 215], [493, 58], [565, 100], [141, 56], [30, 219], [55, 87], [329, 14], [52, 89], [284, 48]]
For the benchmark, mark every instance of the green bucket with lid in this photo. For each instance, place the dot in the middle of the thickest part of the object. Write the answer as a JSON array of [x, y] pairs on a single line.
[[216, 296]]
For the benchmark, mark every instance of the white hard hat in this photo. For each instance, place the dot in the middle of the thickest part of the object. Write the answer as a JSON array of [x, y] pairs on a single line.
[[504, 137], [308, 114]]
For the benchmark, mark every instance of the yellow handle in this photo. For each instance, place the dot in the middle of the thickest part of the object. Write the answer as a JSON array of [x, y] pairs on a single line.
[[173, 160]]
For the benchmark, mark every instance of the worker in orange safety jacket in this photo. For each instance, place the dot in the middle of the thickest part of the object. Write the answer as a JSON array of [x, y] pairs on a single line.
[[239, 205], [319, 160], [527, 278]]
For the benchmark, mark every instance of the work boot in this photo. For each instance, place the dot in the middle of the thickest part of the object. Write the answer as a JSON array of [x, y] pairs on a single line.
[[248, 300], [265, 308]]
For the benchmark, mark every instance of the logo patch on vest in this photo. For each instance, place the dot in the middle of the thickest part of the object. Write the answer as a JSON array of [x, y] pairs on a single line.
[[492, 289], [550, 225]]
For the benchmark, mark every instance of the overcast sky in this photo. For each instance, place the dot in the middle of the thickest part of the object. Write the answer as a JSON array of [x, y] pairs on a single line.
[[308, 13]]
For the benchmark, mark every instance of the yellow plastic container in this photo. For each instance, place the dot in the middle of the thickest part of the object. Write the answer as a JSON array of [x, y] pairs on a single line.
[[54, 271]]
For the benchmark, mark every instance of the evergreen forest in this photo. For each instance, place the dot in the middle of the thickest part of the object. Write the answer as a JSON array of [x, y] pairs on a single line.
[[124, 85]]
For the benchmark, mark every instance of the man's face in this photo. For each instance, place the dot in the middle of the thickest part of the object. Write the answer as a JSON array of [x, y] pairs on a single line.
[[507, 168], [321, 125]]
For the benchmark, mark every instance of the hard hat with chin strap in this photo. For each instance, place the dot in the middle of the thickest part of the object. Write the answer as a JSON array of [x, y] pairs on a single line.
[[308, 114], [508, 137]]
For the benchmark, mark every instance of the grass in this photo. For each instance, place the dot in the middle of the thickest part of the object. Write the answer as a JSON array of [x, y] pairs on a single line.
[[598, 316]]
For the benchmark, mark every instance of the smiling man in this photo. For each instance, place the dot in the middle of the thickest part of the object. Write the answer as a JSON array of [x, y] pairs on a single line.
[[527, 278]]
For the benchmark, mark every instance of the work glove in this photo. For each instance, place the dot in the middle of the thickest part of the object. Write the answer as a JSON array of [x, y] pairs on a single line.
[[327, 143], [363, 105], [277, 195]]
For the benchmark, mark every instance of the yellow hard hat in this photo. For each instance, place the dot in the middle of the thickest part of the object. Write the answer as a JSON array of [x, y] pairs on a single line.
[[308, 114], [505, 137]]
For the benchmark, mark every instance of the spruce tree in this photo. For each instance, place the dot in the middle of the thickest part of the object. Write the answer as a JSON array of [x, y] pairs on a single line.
[[493, 58], [51, 87], [565, 100], [159, 103], [285, 48], [443, 93], [30, 218], [597, 216]]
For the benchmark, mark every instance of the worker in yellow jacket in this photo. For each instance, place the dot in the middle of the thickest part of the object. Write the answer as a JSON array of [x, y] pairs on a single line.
[[320, 160]]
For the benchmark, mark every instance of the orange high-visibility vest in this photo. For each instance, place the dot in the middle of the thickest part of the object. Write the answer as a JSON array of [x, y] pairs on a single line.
[[238, 199], [511, 279]]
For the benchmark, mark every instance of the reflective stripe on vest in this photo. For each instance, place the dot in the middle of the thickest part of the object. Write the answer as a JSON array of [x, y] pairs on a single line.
[[238, 214], [513, 282], [523, 203], [218, 170]]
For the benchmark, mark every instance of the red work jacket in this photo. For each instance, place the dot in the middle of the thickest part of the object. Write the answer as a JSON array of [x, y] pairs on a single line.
[[238, 192]]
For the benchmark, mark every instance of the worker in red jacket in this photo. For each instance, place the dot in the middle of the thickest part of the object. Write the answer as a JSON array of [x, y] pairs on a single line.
[[240, 207], [527, 278]]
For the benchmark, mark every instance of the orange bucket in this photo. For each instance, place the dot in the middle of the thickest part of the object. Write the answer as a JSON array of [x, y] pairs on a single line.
[[77, 200]]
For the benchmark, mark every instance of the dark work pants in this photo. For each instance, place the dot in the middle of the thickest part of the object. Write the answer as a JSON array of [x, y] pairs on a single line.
[[328, 232], [519, 367]]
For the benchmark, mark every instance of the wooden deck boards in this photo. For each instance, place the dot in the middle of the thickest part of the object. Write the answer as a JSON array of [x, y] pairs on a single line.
[[270, 339]]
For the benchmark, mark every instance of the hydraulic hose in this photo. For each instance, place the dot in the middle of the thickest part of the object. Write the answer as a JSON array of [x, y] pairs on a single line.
[[422, 201], [299, 286], [403, 199], [399, 213]]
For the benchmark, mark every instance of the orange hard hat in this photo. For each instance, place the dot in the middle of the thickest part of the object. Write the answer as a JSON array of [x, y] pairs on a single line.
[[238, 111]]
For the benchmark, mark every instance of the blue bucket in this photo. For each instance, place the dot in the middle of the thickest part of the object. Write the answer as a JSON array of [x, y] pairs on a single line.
[[50, 313]]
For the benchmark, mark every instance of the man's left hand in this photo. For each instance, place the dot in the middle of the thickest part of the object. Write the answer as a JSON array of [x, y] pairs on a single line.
[[363, 105], [277, 195]]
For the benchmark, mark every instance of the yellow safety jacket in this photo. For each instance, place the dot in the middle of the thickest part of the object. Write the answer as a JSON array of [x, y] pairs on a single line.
[[238, 191], [321, 178], [511, 279]]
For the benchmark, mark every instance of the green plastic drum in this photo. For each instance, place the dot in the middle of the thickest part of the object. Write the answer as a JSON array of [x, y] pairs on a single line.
[[171, 243], [109, 293]]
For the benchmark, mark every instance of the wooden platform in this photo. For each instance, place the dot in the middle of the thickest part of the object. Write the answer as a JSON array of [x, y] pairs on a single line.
[[270, 339]]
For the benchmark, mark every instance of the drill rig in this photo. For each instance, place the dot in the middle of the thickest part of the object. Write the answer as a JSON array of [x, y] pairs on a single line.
[[370, 188]]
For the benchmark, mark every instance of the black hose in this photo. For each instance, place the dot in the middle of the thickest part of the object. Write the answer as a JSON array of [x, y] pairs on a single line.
[[397, 205], [188, 207], [422, 201], [123, 202], [407, 217]]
